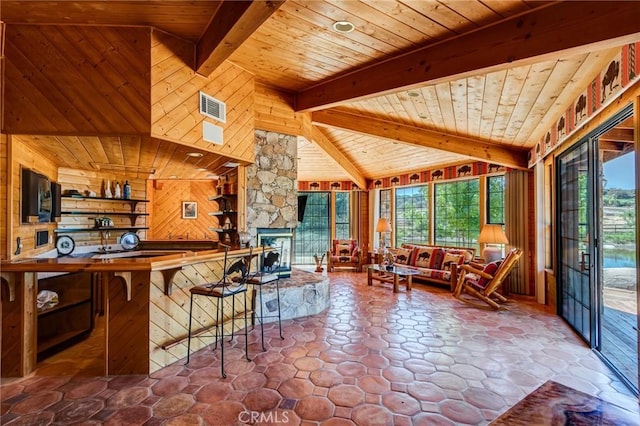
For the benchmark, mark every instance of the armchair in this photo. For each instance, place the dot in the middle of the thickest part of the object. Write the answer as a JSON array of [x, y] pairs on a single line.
[[344, 254], [483, 283]]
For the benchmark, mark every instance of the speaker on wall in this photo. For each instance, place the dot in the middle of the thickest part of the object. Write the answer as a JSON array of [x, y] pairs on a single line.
[[56, 200]]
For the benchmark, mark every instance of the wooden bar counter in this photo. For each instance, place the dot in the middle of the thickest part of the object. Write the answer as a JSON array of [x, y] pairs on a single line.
[[145, 303]]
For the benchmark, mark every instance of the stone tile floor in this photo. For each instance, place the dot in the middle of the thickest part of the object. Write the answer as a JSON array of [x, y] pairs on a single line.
[[372, 358]]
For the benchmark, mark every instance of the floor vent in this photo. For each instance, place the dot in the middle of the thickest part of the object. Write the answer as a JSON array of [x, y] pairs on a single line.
[[211, 107]]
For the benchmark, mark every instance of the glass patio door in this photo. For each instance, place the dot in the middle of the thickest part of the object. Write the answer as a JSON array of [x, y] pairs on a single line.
[[597, 257], [617, 341], [575, 239]]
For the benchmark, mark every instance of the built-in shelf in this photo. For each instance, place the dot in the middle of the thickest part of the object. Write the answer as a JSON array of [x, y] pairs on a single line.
[[133, 216], [222, 230], [223, 213], [114, 228]]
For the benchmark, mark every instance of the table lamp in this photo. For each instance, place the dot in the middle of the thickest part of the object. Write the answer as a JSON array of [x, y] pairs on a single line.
[[490, 235], [383, 226]]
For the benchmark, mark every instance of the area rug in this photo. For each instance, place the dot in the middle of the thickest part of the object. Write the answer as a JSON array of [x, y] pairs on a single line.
[[559, 405]]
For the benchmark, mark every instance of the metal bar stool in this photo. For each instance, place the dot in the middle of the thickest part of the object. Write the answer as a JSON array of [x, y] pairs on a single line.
[[267, 274], [233, 282]]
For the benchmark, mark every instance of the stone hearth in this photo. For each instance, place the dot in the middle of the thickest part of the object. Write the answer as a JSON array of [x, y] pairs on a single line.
[[302, 294]]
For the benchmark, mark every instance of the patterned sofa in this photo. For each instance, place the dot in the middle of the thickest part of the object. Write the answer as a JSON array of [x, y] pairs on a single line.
[[436, 264]]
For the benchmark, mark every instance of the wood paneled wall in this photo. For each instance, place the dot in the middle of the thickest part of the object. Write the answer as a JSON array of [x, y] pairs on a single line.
[[274, 112], [19, 155], [5, 219], [77, 80], [85, 180], [175, 91], [166, 221]]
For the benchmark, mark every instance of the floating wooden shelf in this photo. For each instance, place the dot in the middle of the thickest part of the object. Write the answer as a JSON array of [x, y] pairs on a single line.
[[73, 230]]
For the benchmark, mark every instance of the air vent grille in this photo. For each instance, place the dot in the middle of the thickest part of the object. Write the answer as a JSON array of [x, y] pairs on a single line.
[[211, 107]]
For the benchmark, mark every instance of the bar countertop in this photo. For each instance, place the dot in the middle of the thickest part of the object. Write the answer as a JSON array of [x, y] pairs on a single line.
[[146, 260]]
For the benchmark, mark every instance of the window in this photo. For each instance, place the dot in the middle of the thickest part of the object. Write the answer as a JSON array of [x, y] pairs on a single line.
[[457, 213], [342, 216], [313, 233], [495, 199], [412, 215]]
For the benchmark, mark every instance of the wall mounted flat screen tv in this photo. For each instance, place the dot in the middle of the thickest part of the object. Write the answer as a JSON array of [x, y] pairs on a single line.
[[302, 204], [37, 200]]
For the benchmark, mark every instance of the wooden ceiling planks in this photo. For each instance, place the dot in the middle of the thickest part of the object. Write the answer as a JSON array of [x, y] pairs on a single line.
[[568, 89], [186, 19], [296, 49], [591, 25]]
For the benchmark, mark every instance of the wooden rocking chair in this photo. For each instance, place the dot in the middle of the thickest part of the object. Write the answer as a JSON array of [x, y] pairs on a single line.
[[482, 284]]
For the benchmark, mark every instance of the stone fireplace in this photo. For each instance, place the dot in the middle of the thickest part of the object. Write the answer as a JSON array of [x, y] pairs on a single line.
[[272, 186]]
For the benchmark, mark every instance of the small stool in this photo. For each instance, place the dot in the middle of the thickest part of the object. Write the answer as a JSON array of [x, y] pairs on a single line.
[[233, 282]]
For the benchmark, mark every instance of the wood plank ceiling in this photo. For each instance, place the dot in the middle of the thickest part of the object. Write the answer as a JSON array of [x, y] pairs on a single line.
[[496, 74]]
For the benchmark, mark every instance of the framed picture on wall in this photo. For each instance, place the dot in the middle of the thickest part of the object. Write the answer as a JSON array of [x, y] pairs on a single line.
[[189, 210]]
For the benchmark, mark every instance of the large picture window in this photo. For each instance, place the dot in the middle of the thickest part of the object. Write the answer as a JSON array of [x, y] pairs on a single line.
[[343, 231], [313, 234], [457, 213], [495, 200], [412, 215]]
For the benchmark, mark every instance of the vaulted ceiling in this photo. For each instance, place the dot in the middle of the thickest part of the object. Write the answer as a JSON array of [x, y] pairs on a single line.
[[416, 84]]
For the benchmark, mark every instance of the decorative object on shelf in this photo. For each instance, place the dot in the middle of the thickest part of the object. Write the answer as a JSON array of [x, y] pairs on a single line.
[[107, 190], [219, 186], [91, 194], [118, 191], [383, 227], [244, 238], [319, 260], [127, 190], [104, 222], [189, 210], [65, 245], [491, 235], [129, 240]]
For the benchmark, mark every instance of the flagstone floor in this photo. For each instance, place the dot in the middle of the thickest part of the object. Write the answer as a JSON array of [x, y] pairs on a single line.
[[372, 358]]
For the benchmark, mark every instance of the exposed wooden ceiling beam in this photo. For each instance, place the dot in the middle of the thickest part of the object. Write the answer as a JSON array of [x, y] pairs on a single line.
[[329, 147], [232, 23], [471, 148], [550, 32]]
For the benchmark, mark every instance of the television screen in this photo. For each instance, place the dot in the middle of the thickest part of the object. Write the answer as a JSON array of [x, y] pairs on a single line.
[[36, 200], [302, 204]]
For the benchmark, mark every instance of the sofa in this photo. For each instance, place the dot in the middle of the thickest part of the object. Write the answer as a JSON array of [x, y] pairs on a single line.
[[436, 264]]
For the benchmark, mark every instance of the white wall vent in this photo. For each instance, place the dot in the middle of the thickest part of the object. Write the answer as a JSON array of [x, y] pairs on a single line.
[[211, 133], [211, 107]]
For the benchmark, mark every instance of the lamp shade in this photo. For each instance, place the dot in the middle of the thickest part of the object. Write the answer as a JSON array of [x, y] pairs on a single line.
[[383, 225], [492, 234]]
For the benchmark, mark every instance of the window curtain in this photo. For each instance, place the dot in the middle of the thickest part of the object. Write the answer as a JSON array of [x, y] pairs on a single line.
[[357, 215], [516, 214]]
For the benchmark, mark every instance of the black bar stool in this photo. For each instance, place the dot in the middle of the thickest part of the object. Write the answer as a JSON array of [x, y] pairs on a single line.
[[233, 282], [267, 274]]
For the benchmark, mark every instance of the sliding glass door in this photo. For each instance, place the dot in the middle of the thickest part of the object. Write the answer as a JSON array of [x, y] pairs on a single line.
[[597, 257], [618, 288], [575, 239]]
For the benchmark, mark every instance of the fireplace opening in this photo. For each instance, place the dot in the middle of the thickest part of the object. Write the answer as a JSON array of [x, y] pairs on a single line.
[[280, 239]]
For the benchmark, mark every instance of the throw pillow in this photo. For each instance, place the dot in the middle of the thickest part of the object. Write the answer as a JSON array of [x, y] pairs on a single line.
[[489, 268], [429, 257], [343, 250], [452, 259], [401, 255]]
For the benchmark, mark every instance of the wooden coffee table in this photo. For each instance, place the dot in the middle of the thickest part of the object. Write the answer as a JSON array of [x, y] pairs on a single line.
[[395, 275]]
